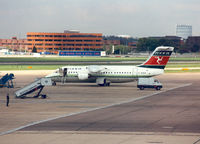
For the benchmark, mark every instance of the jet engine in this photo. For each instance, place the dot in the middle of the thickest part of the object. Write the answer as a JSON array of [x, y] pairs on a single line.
[[83, 76]]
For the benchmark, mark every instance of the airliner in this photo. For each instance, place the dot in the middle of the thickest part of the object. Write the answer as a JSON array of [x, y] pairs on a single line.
[[103, 75]]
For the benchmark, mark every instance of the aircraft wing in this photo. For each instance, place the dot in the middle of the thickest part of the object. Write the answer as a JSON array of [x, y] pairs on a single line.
[[96, 69]]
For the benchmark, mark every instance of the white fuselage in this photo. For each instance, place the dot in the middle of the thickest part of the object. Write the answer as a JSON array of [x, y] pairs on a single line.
[[114, 74]]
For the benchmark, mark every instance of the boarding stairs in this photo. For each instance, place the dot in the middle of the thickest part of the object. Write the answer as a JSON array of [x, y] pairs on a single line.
[[6, 81], [37, 85]]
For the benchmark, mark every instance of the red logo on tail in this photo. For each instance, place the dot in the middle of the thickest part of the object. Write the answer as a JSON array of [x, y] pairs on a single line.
[[157, 60]]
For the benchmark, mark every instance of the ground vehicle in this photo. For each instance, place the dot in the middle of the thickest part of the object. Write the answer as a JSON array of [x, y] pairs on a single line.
[[148, 83], [37, 85]]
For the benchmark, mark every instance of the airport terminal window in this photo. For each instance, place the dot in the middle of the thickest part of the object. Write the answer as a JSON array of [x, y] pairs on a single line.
[[39, 35], [58, 44], [68, 40], [57, 35], [68, 44], [82, 36], [39, 40], [88, 40], [57, 40], [48, 44], [38, 44]]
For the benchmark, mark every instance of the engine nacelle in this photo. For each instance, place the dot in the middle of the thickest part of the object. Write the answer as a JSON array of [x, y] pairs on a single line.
[[83, 76]]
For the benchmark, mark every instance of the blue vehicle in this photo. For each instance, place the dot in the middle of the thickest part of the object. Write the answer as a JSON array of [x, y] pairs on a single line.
[[6, 81]]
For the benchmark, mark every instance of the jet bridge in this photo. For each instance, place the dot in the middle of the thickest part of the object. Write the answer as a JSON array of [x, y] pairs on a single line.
[[37, 85]]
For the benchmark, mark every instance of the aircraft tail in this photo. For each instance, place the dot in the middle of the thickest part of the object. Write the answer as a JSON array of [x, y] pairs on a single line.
[[159, 58]]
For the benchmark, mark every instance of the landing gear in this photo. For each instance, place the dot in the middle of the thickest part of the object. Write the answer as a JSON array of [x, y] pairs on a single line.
[[105, 84], [102, 82], [108, 84], [54, 83]]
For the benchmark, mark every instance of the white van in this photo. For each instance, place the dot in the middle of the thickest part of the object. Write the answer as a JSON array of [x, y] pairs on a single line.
[[148, 83]]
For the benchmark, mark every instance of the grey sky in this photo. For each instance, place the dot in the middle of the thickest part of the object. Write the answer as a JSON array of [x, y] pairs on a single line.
[[137, 18]]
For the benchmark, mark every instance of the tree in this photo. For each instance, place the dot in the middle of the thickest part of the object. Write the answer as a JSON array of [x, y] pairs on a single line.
[[121, 49], [183, 49], [195, 48], [34, 50], [147, 44]]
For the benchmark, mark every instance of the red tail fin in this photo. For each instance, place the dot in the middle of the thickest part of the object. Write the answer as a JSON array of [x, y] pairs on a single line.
[[159, 58]]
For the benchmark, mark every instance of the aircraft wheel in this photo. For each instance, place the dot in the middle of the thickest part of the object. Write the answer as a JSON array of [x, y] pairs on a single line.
[[141, 88], [158, 88]]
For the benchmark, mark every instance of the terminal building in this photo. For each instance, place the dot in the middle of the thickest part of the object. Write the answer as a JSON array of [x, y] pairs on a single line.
[[67, 41]]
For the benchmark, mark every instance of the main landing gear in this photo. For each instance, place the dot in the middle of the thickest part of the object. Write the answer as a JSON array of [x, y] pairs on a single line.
[[105, 83]]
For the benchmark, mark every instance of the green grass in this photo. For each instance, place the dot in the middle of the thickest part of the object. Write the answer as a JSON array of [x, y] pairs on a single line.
[[181, 71], [29, 67], [182, 65], [185, 59], [85, 59], [75, 59], [53, 67]]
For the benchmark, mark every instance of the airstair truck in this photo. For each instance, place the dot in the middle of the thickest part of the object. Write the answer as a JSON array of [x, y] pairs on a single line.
[[37, 85], [148, 83]]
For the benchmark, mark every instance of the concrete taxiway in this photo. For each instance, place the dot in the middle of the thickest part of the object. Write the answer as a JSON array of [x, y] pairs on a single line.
[[86, 113]]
